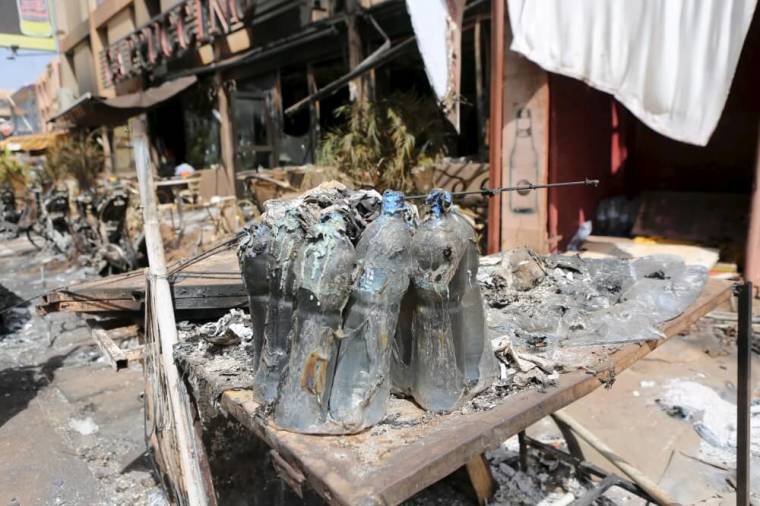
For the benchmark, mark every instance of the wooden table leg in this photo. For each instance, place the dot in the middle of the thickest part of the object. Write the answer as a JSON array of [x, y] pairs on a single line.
[[479, 472]]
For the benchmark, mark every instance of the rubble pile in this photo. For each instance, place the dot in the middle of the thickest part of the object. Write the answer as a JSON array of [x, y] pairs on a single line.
[[328, 275]]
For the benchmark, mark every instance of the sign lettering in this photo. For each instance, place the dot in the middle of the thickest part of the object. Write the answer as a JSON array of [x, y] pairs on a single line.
[[188, 24]]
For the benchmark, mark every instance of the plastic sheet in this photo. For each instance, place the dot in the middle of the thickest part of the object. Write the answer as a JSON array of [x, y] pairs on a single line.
[[577, 301]]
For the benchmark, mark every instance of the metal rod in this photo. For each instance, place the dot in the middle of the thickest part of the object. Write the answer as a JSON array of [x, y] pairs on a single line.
[[523, 451], [586, 468], [595, 493], [526, 188], [651, 488], [744, 373]]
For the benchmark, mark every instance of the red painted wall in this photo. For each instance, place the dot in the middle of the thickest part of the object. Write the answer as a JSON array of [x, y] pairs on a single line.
[[580, 129], [591, 135]]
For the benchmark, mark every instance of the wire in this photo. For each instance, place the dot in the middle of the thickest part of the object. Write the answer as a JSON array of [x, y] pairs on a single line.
[[206, 254], [174, 273], [489, 192], [27, 301]]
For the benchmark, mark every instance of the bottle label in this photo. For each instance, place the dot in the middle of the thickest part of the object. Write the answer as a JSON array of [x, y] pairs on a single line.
[[371, 279]]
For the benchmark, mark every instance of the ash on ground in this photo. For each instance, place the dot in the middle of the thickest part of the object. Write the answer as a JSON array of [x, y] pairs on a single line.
[[547, 481], [72, 427]]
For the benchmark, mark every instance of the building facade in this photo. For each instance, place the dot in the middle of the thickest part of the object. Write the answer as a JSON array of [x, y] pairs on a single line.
[[26, 119], [51, 95], [270, 74]]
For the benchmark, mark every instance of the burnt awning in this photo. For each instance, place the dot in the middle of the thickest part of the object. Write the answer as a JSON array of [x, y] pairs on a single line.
[[93, 111], [31, 142]]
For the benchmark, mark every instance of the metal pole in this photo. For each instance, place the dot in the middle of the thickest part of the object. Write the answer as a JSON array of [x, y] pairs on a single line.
[[188, 447], [647, 485], [495, 130], [744, 395], [752, 247]]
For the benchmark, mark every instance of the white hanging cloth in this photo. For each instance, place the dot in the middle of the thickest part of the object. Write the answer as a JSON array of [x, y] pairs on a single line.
[[670, 62], [438, 28]]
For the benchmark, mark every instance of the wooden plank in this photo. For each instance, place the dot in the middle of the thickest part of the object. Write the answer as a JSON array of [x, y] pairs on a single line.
[[193, 483], [213, 283], [113, 354], [391, 465], [105, 339], [479, 471]]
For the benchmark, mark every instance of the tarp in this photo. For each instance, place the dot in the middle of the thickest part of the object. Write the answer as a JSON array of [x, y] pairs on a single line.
[[670, 62], [91, 111]]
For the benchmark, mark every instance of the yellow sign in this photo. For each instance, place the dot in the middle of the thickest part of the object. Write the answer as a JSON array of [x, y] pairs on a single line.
[[26, 24]]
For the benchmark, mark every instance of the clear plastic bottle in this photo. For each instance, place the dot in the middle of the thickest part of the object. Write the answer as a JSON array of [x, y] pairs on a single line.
[[362, 383], [325, 277], [288, 236], [451, 357], [252, 256]]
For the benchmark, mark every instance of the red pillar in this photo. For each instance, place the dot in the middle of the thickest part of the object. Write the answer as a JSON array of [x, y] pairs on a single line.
[[495, 131]]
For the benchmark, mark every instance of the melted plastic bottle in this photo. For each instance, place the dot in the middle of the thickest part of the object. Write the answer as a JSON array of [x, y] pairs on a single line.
[[287, 237], [451, 357], [362, 383], [252, 255], [401, 353], [325, 276], [475, 355]]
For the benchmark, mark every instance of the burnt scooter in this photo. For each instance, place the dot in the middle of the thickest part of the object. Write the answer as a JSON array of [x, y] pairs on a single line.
[[115, 248], [9, 214], [100, 230], [84, 227], [52, 220]]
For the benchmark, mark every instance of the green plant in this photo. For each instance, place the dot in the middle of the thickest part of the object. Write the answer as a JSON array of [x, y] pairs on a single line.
[[11, 170], [380, 142], [79, 156]]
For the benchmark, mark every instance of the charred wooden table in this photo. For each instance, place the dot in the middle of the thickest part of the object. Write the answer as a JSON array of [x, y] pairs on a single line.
[[412, 449], [213, 284]]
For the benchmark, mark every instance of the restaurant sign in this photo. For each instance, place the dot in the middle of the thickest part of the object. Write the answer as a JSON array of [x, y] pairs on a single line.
[[188, 24]]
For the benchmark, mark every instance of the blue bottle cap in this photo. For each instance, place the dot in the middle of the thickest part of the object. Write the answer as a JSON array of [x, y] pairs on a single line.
[[393, 201], [439, 201]]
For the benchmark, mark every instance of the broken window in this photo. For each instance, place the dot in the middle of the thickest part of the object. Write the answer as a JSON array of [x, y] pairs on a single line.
[[202, 145]]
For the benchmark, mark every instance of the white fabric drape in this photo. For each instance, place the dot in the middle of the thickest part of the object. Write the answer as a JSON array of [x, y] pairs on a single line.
[[670, 62], [438, 27]]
